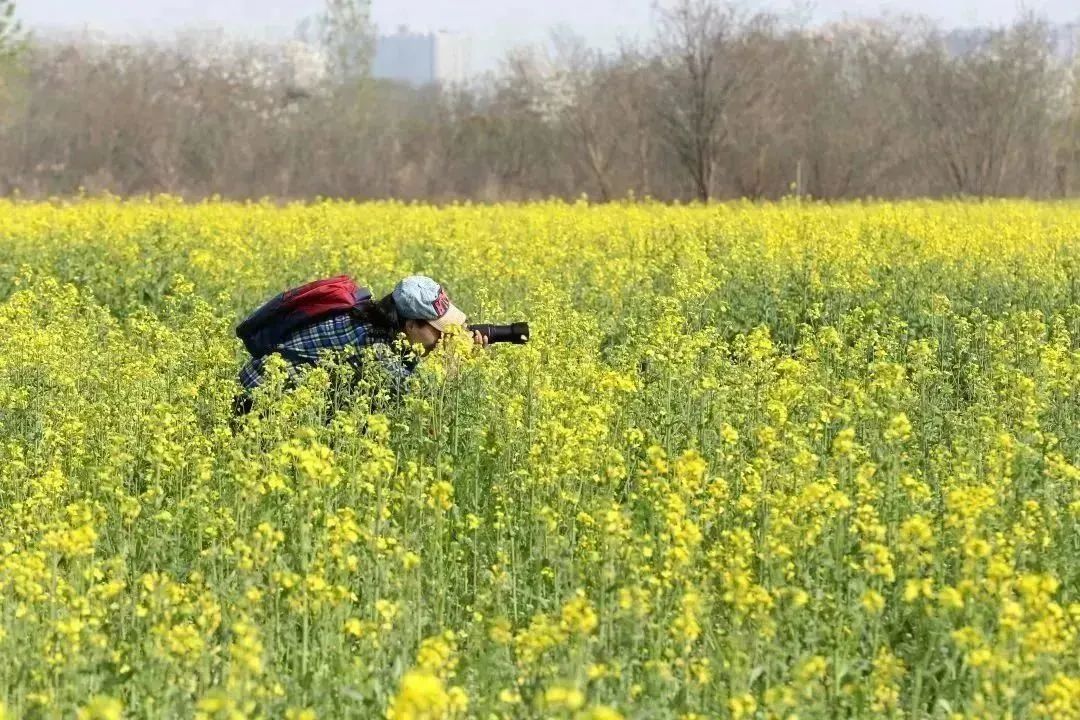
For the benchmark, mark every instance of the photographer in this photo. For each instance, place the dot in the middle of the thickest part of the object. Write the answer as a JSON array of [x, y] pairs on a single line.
[[418, 309]]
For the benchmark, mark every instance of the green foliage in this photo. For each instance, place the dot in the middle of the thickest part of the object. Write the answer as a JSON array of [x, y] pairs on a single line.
[[11, 32]]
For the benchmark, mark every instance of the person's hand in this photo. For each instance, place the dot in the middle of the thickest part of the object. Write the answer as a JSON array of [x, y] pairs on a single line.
[[480, 339]]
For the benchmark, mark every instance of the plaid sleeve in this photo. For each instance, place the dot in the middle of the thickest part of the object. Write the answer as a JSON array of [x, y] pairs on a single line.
[[397, 368], [339, 332], [251, 373]]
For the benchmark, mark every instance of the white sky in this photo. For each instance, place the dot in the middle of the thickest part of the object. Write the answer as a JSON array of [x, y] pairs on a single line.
[[494, 25]]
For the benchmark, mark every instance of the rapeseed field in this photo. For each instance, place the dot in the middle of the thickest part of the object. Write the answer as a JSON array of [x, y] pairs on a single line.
[[757, 461]]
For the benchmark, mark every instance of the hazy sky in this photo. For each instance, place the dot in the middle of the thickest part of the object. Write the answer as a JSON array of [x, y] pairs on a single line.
[[494, 25]]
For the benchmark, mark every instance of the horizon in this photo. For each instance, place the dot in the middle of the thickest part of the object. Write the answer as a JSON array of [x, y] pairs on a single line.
[[493, 28]]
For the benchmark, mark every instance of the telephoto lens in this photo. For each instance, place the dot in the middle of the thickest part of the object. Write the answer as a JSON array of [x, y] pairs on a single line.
[[516, 333]]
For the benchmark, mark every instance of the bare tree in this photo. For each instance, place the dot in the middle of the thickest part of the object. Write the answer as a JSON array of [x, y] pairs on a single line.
[[855, 123], [591, 114], [758, 132], [633, 80], [1067, 155], [699, 81], [347, 36], [976, 103], [521, 142], [12, 47]]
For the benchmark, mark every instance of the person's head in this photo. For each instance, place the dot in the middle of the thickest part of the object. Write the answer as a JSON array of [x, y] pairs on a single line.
[[420, 332], [424, 310]]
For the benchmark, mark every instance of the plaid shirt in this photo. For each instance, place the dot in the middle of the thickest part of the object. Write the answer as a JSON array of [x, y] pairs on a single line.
[[336, 332]]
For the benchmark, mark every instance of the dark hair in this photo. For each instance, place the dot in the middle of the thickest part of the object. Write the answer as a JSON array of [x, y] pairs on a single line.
[[383, 314]]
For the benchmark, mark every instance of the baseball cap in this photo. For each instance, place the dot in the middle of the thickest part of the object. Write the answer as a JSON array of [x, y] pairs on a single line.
[[418, 297]]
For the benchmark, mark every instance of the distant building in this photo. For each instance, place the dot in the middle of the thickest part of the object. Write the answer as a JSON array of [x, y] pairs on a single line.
[[422, 58]]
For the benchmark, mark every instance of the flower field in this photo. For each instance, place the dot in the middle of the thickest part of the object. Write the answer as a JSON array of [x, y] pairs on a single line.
[[757, 461]]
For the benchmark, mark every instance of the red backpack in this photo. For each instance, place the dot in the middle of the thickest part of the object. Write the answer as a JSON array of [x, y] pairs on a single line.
[[269, 326]]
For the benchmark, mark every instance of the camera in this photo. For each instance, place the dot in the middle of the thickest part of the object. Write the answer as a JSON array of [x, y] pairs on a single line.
[[516, 333]]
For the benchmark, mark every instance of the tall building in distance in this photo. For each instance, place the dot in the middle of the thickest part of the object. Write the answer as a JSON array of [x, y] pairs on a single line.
[[422, 58]]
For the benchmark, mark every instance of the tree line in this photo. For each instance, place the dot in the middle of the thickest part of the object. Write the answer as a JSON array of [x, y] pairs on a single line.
[[720, 103]]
